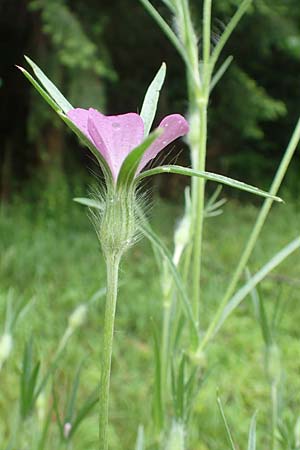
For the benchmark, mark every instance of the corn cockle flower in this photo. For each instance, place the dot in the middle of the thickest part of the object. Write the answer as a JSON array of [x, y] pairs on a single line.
[[116, 136]]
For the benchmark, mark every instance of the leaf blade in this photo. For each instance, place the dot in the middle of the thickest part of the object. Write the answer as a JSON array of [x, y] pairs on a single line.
[[50, 87], [151, 98], [209, 176]]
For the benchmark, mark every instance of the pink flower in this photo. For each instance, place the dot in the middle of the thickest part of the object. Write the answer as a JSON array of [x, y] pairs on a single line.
[[116, 136]]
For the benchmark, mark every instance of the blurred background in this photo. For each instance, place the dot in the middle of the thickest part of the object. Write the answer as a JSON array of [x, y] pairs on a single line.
[[104, 54]]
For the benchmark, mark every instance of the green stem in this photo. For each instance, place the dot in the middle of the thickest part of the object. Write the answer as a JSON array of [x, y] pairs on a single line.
[[199, 155], [289, 153], [274, 402], [112, 264]]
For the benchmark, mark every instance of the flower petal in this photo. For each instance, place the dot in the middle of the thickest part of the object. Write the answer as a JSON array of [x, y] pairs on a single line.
[[115, 136], [80, 117], [174, 127]]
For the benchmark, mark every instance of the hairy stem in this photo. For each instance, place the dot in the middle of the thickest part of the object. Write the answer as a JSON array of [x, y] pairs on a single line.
[[112, 264]]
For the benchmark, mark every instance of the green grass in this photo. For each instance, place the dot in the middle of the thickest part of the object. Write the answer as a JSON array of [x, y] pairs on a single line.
[[54, 259]]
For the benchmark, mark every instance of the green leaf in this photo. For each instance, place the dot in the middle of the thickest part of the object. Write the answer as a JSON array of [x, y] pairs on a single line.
[[165, 27], [228, 31], [207, 176], [158, 412], [170, 5], [88, 202], [40, 90], [86, 407], [252, 433], [261, 314], [132, 161], [164, 252], [82, 137], [228, 432], [257, 278], [52, 90], [218, 75], [151, 99]]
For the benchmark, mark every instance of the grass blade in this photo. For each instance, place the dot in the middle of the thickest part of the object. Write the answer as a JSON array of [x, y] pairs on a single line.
[[151, 99], [207, 176], [228, 432], [257, 278], [252, 433], [164, 252]]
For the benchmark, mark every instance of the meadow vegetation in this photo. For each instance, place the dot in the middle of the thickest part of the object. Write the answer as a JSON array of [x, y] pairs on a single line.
[[50, 257]]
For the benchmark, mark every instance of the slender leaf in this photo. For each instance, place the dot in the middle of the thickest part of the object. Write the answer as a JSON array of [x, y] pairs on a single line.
[[257, 278], [151, 99], [132, 161], [72, 400], [157, 243], [170, 5], [52, 90], [88, 202], [228, 432], [207, 176], [165, 28], [220, 72], [40, 90], [252, 433], [140, 439], [87, 406], [228, 31], [157, 401]]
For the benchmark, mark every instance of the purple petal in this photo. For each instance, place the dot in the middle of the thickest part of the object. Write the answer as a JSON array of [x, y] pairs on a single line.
[[174, 127], [115, 136], [80, 117]]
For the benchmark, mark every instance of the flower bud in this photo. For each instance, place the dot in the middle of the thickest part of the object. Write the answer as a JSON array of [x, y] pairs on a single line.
[[176, 437], [117, 230], [273, 363], [78, 317], [6, 344]]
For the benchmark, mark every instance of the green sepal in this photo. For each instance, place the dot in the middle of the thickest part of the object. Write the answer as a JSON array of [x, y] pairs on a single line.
[[131, 163], [210, 177], [60, 111], [52, 90], [151, 99], [40, 90]]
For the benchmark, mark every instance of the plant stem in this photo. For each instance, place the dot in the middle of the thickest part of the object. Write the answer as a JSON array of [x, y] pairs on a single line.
[[199, 135], [112, 265], [274, 402]]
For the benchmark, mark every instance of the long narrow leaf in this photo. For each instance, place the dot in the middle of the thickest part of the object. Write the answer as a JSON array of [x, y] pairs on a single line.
[[151, 99], [207, 176], [165, 28], [52, 90], [228, 432], [219, 74], [39, 89], [252, 433], [257, 278], [228, 31], [153, 238]]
